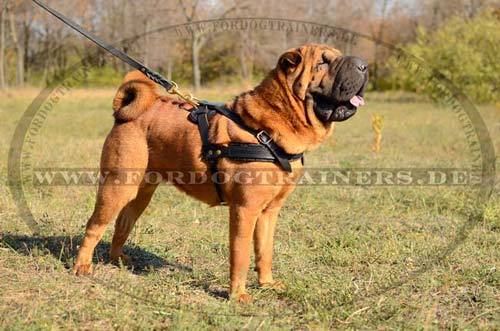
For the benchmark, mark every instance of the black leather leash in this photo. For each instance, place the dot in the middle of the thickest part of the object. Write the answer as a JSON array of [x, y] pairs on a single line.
[[265, 151]]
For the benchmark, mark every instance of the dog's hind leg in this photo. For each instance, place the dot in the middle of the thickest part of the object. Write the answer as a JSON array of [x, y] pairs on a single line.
[[123, 164], [127, 218], [110, 201]]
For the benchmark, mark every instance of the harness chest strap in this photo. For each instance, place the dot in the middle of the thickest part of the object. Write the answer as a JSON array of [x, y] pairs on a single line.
[[266, 151]]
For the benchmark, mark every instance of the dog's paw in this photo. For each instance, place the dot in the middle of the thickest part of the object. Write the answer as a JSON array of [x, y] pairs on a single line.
[[275, 285], [244, 299], [121, 258], [241, 298], [82, 269]]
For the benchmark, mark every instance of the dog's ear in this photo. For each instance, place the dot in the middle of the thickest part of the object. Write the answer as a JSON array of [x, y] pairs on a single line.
[[290, 60], [293, 65]]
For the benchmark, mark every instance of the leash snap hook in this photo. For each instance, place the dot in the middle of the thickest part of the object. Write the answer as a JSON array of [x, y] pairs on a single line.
[[188, 97]]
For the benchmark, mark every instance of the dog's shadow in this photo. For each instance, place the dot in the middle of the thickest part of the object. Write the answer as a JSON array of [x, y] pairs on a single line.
[[65, 249]]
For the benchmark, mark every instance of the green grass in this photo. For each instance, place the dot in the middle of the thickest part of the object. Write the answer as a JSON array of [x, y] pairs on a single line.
[[351, 257]]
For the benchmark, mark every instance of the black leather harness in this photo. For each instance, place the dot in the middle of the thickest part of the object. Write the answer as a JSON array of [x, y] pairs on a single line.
[[265, 151]]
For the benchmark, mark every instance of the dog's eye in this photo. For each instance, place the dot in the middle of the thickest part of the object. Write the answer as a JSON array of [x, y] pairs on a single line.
[[322, 65]]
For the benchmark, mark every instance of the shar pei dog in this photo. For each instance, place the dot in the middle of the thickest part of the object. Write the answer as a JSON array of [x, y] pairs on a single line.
[[297, 103]]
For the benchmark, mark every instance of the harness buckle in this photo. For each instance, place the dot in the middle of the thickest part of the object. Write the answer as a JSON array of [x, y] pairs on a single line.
[[194, 114], [264, 138]]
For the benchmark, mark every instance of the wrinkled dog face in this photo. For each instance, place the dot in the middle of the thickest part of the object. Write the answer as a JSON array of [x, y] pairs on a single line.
[[333, 82], [341, 90]]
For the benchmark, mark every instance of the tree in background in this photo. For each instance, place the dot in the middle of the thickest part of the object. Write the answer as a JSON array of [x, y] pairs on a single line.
[[466, 52], [3, 16], [15, 28]]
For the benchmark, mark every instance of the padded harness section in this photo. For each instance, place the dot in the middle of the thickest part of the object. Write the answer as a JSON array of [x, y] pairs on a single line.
[[265, 151]]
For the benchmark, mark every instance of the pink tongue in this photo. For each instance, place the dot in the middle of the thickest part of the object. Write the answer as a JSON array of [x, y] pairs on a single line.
[[357, 101]]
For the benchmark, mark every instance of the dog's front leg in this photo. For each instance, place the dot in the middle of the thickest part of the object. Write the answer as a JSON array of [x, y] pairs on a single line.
[[241, 227], [263, 244]]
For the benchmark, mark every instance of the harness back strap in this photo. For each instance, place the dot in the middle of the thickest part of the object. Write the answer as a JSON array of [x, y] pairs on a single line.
[[266, 151]]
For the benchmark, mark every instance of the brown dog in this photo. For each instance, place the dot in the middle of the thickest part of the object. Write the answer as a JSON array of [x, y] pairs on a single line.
[[311, 87]]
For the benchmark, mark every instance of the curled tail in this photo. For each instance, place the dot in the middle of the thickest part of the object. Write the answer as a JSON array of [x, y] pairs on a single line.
[[136, 95]]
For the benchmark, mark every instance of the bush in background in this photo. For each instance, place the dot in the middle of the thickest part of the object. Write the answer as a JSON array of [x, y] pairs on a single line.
[[466, 51]]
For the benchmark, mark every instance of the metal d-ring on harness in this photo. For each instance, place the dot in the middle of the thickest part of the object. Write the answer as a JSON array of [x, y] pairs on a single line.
[[265, 151]]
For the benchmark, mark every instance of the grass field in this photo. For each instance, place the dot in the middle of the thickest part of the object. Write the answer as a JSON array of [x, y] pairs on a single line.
[[351, 257]]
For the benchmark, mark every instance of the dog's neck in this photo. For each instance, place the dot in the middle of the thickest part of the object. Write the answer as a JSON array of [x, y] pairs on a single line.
[[291, 122]]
